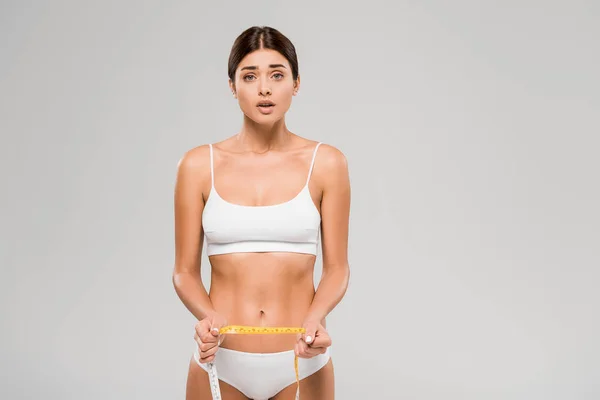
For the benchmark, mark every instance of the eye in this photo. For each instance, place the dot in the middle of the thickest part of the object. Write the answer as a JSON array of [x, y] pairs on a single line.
[[278, 74], [248, 76]]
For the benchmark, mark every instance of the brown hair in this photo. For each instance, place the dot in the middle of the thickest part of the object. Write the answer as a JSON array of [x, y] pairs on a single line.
[[261, 37]]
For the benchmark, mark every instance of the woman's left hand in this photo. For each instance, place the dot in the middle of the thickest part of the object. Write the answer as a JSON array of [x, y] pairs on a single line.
[[313, 342]]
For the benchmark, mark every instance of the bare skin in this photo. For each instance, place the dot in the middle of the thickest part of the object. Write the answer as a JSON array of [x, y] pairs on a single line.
[[265, 164]]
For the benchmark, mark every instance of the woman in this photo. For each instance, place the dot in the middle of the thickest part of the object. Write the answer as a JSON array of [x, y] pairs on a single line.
[[261, 199]]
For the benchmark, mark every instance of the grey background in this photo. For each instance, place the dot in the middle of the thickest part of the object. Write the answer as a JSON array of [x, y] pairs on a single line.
[[471, 131]]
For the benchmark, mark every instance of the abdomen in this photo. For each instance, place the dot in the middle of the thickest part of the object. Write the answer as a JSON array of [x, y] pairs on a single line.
[[262, 289]]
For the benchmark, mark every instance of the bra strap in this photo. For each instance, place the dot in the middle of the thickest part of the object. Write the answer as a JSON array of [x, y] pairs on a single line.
[[212, 174], [312, 163]]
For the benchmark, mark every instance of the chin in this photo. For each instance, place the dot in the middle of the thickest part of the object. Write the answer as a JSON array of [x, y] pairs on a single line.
[[262, 118]]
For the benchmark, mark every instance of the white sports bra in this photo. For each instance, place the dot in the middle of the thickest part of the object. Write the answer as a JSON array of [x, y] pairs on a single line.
[[292, 226]]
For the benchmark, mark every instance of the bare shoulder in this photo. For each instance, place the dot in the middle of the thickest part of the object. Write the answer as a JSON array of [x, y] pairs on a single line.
[[331, 155], [331, 163], [194, 165], [195, 158]]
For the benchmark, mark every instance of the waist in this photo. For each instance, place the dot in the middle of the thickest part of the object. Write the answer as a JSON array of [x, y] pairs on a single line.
[[262, 289]]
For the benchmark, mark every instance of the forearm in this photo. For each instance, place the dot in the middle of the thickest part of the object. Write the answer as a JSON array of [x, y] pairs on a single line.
[[330, 292], [193, 294]]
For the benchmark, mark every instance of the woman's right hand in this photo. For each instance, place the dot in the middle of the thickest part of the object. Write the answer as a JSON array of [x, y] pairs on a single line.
[[207, 336]]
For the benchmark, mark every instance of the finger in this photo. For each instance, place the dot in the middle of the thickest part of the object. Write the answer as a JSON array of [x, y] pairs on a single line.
[[198, 329], [214, 331], [310, 352], [207, 346], [309, 335], [208, 352], [302, 349], [207, 359], [211, 341], [202, 328], [208, 337], [197, 339], [322, 341]]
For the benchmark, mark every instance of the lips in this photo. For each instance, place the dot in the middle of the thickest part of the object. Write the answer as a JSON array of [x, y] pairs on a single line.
[[265, 107]]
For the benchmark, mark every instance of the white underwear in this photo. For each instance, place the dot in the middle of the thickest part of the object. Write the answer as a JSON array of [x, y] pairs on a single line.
[[260, 376]]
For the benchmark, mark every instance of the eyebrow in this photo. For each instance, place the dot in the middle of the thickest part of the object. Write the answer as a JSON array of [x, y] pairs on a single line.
[[254, 67]]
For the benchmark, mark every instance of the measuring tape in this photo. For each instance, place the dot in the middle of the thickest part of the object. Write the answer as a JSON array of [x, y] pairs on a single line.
[[250, 330]]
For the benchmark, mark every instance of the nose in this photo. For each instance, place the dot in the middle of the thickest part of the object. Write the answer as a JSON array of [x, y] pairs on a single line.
[[265, 91]]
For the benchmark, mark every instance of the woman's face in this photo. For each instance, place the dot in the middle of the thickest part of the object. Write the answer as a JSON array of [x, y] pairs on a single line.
[[264, 76]]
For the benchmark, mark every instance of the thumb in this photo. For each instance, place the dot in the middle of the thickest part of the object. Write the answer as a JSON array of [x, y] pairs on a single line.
[[311, 331], [215, 326]]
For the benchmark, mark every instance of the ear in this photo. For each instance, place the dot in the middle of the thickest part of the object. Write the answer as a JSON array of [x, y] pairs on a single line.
[[232, 88], [297, 85]]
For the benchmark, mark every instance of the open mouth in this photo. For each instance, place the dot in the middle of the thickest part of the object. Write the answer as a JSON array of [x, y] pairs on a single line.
[[266, 107]]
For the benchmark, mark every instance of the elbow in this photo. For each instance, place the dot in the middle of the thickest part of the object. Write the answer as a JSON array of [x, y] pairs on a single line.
[[176, 277], [181, 279], [346, 278], [183, 284], [177, 280]]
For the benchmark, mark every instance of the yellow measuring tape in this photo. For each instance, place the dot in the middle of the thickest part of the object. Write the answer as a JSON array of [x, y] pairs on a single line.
[[251, 330]]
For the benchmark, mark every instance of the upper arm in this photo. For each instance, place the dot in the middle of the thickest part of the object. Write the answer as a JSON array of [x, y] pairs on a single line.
[[335, 207], [193, 169]]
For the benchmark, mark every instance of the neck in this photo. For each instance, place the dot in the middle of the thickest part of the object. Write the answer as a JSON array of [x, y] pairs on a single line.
[[260, 138]]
